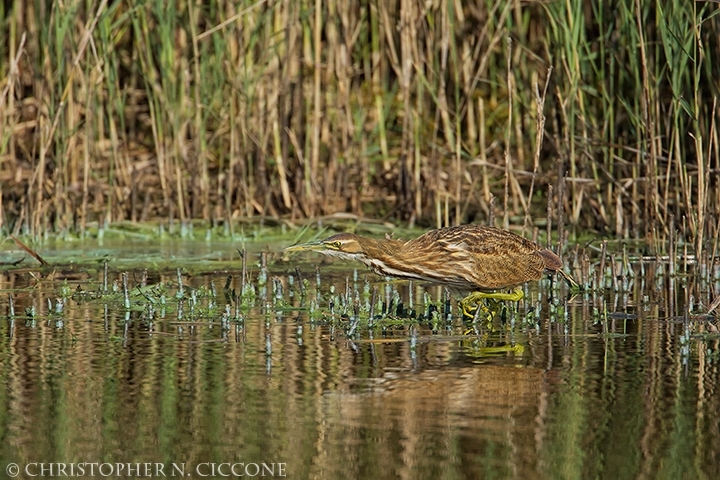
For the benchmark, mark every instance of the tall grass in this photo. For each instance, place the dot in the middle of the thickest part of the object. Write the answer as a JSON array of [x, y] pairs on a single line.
[[417, 111]]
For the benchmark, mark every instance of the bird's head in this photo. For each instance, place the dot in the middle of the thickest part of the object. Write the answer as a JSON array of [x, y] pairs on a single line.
[[343, 245]]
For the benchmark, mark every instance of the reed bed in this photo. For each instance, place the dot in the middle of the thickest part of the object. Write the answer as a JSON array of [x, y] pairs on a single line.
[[422, 112]]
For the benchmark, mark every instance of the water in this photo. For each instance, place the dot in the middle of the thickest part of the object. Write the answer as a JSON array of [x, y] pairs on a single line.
[[613, 385]]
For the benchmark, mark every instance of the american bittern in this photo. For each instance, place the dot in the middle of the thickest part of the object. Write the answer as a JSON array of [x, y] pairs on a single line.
[[486, 261]]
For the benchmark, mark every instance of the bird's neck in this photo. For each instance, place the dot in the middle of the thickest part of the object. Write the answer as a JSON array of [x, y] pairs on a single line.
[[386, 257]]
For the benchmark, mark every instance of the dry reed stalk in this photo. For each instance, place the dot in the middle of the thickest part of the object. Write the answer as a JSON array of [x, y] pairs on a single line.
[[539, 135], [407, 38], [483, 155], [549, 216], [244, 279], [508, 127], [585, 270], [672, 245], [126, 290], [317, 102], [446, 42], [446, 210], [280, 165], [703, 178], [561, 212], [601, 272], [619, 214], [417, 156], [651, 212], [378, 50], [226, 189], [203, 181], [614, 273], [491, 211]]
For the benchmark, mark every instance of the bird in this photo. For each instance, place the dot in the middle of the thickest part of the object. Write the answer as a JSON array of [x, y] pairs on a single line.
[[489, 262]]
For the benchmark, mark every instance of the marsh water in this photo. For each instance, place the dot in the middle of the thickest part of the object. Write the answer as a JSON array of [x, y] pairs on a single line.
[[620, 382]]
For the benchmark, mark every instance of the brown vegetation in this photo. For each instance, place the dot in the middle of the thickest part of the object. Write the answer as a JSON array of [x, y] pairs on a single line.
[[405, 109]]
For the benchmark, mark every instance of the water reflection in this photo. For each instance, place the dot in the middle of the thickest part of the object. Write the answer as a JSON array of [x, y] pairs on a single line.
[[618, 385]]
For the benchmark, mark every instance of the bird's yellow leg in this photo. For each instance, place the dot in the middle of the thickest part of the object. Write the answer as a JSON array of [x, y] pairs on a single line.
[[470, 303]]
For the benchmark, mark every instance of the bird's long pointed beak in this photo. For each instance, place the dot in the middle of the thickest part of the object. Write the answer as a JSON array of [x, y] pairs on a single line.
[[306, 247]]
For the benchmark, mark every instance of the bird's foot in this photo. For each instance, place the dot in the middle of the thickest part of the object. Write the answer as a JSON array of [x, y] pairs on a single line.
[[470, 304]]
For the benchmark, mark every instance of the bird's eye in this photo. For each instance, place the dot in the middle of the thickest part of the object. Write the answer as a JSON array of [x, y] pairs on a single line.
[[337, 245]]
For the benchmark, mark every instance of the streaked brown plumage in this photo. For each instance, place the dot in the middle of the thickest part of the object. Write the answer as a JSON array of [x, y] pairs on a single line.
[[472, 258]]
